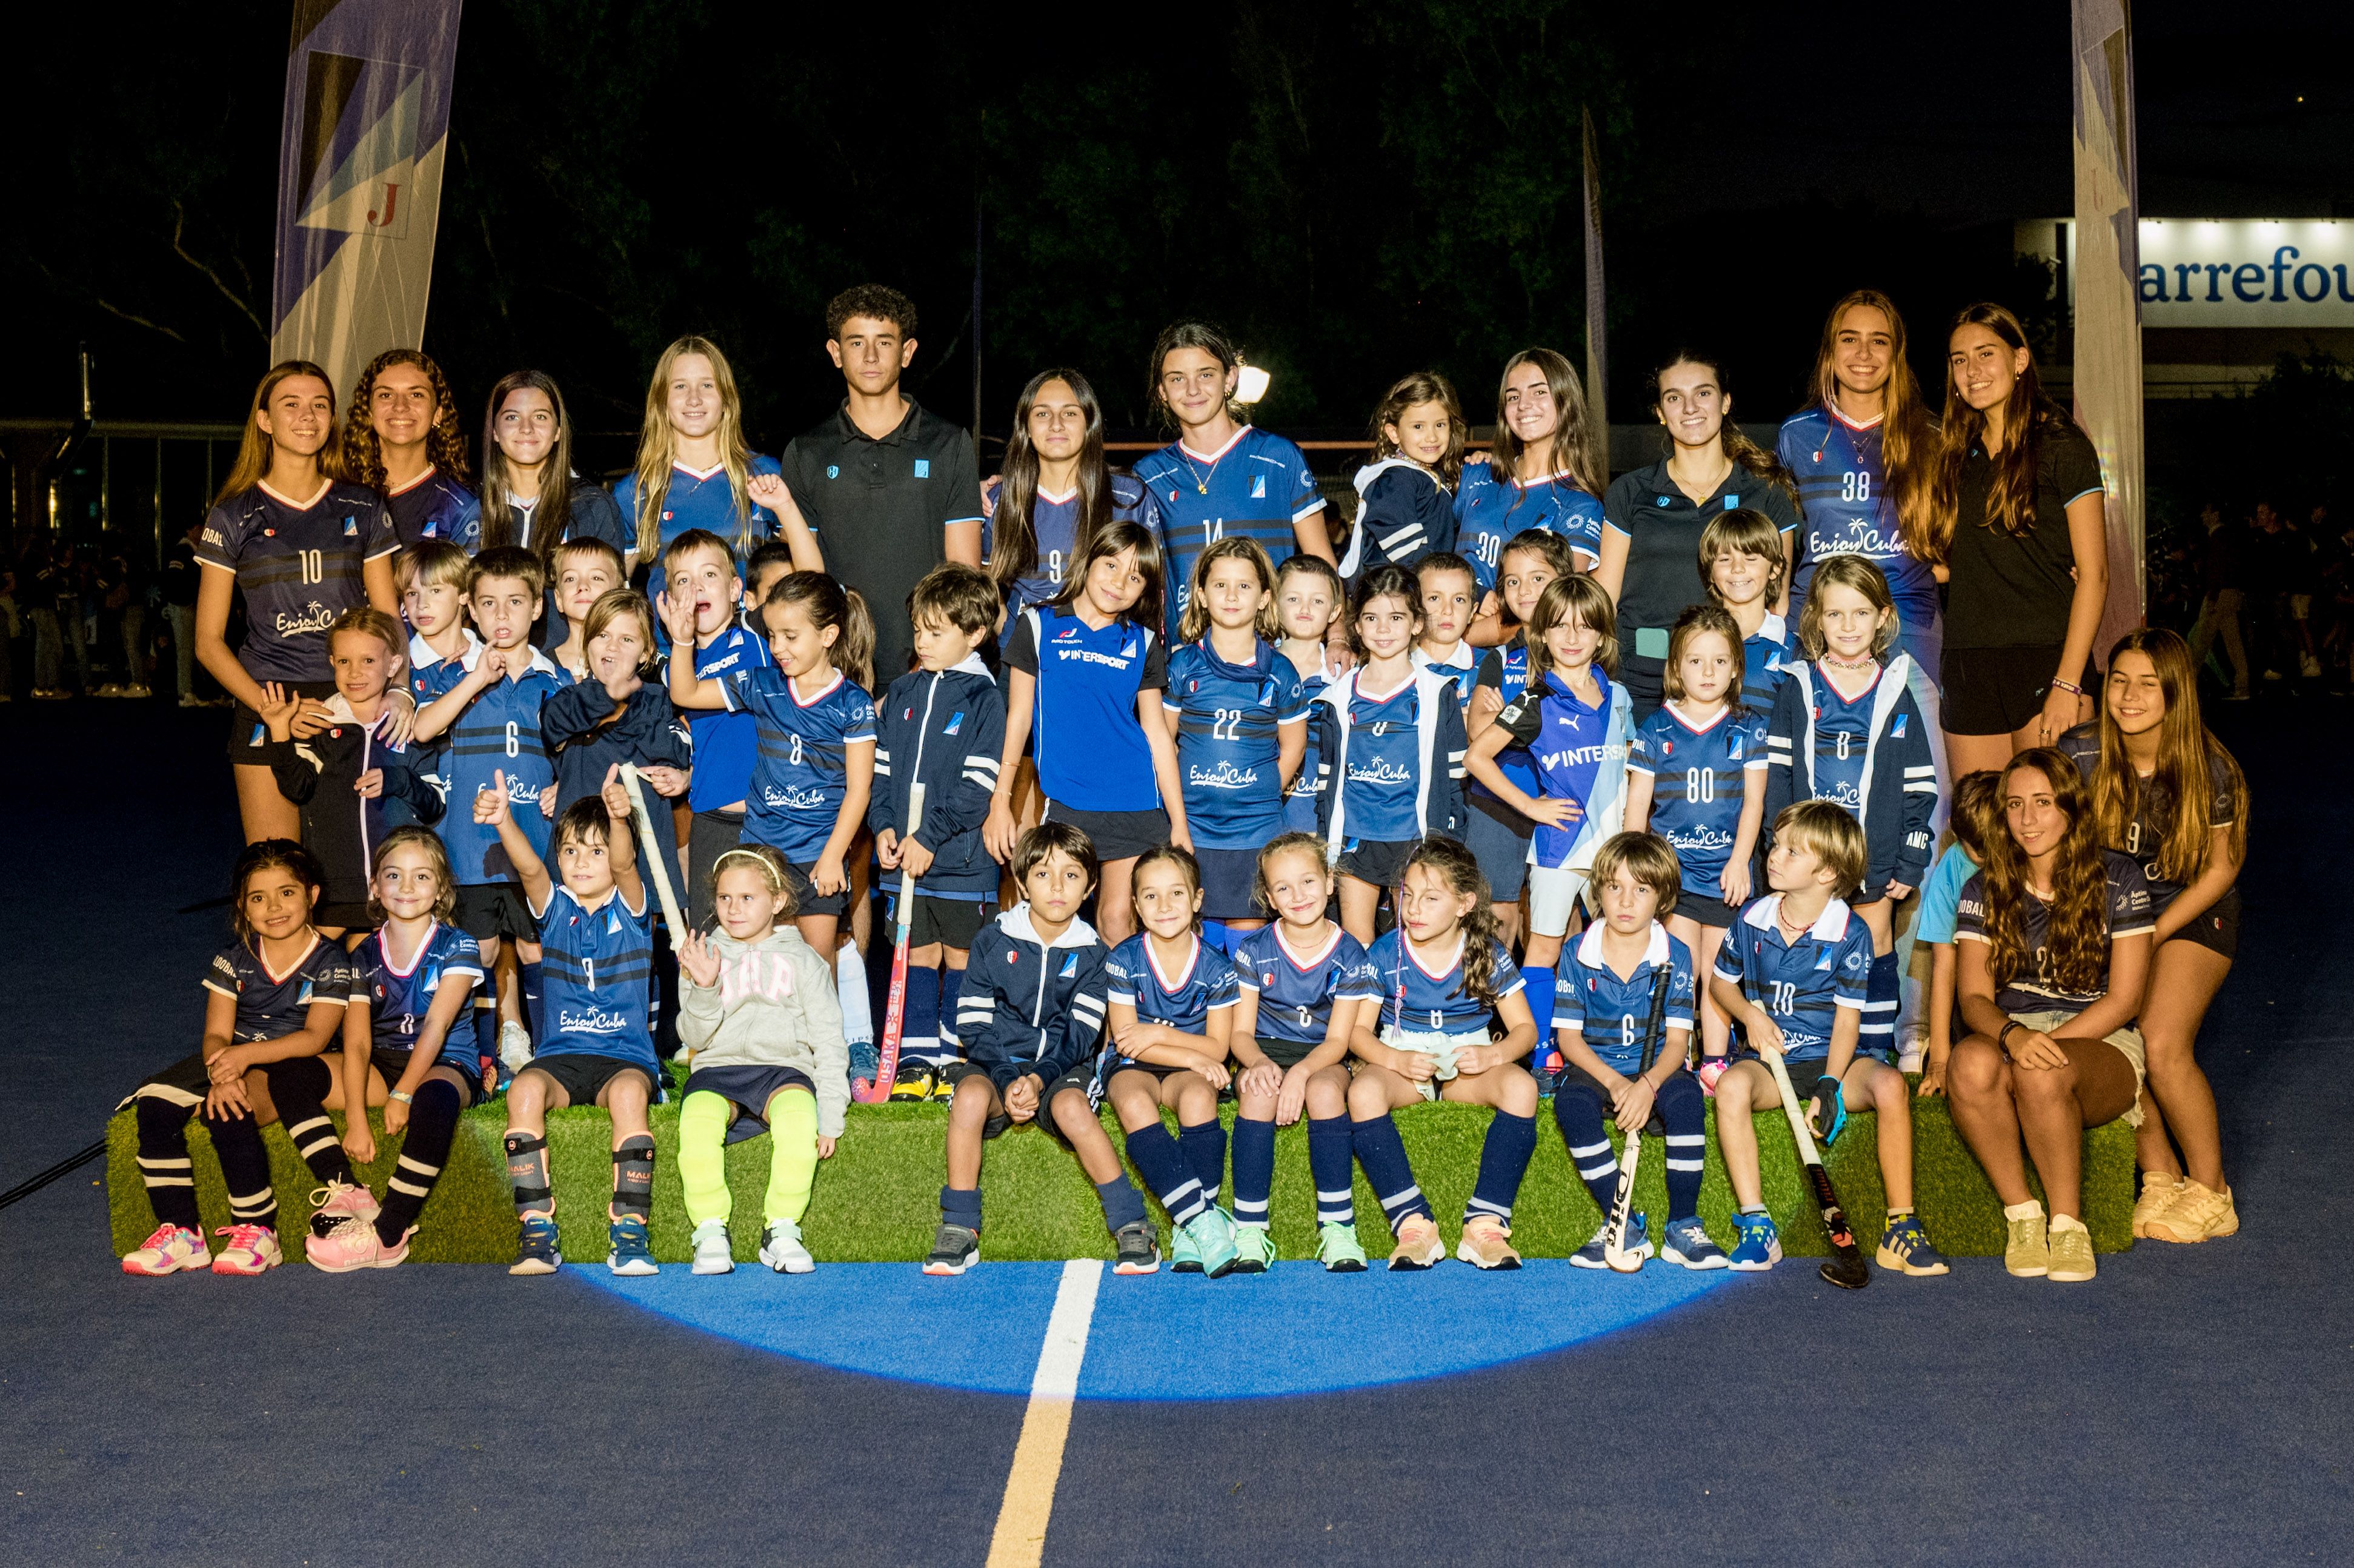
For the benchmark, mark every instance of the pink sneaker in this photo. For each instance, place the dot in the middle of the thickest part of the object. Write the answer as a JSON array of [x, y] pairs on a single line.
[[252, 1249], [336, 1202], [171, 1249], [355, 1244]]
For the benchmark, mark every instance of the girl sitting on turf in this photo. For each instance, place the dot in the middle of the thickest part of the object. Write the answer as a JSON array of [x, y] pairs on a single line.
[[1305, 984], [277, 1001], [1499, 835], [1444, 977], [2054, 937], [766, 1033], [1169, 1006], [411, 982]]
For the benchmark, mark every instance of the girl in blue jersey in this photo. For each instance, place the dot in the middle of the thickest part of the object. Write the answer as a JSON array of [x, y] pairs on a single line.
[[1305, 982], [695, 470], [1390, 747], [1240, 719], [1168, 1010], [402, 439], [532, 497], [1696, 776], [1407, 494], [1541, 476], [1084, 677], [815, 771], [1053, 493], [1845, 728], [412, 981], [1308, 604], [1445, 978], [1575, 724], [1221, 477], [1498, 834]]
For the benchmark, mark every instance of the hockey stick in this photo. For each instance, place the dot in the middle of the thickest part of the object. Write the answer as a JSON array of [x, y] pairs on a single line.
[[894, 1007], [1614, 1251], [656, 851], [1845, 1267]]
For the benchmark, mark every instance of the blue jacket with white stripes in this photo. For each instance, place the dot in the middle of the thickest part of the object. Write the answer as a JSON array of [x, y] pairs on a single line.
[[1032, 1004], [1900, 777], [944, 729]]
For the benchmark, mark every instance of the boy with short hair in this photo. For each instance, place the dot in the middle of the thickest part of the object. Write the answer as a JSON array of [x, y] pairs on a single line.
[[942, 725], [491, 716], [595, 1046], [1031, 1018], [1744, 561], [1450, 599], [584, 571], [431, 576], [1792, 975], [763, 569], [700, 566]]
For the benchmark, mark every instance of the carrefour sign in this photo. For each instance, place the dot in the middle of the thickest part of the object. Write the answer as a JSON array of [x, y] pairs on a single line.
[[2247, 273]]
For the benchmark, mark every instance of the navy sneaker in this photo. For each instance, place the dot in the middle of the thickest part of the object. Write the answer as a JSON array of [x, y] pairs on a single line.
[[1639, 1242], [1906, 1247], [1758, 1246], [536, 1250], [1686, 1244], [631, 1254]]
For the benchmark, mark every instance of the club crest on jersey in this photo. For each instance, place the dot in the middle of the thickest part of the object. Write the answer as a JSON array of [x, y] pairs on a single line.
[[613, 925], [1667, 748], [833, 471], [1896, 728], [1733, 749], [270, 533], [1258, 487], [923, 468], [955, 723], [350, 527], [1070, 966]]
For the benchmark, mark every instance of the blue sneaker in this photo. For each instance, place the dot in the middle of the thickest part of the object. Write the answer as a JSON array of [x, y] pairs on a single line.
[[1639, 1242], [535, 1251], [1212, 1234], [1686, 1244], [630, 1253], [1759, 1247], [1906, 1247]]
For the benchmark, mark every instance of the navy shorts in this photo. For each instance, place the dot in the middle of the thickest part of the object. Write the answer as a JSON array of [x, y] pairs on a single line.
[[390, 1064], [748, 1089], [1704, 909], [2216, 927], [1228, 878], [1501, 850], [584, 1074], [807, 899], [248, 731], [494, 911], [1381, 864]]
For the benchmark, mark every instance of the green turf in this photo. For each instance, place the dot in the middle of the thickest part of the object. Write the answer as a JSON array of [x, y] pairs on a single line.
[[877, 1199]]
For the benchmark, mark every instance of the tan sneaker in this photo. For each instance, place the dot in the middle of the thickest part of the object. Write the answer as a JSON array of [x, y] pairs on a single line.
[[2027, 1254], [1483, 1244], [2071, 1253], [2197, 1213], [2159, 1190], [1418, 1244]]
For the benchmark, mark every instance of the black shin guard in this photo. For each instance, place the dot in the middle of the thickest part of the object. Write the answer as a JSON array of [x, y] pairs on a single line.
[[527, 1169], [634, 1177]]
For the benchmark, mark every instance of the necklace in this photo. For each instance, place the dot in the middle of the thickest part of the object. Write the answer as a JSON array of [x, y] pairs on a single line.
[[1201, 479], [1863, 663]]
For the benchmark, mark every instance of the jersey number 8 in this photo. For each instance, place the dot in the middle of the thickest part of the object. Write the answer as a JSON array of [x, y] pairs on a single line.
[[797, 751]]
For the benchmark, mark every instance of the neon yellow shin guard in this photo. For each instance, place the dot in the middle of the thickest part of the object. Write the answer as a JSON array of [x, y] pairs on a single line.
[[792, 1161], [702, 1163]]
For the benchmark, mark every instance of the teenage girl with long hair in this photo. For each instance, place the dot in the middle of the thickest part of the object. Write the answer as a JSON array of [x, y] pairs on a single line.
[[402, 440], [1541, 477], [1053, 492], [2016, 518], [531, 495], [304, 545], [2166, 792]]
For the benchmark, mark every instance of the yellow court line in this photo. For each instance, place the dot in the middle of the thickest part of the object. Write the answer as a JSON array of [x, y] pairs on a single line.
[[1021, 1537]]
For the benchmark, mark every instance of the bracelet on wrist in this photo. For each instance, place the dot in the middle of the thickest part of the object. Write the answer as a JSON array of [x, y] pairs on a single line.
[[403, 1096], [2071, 687]]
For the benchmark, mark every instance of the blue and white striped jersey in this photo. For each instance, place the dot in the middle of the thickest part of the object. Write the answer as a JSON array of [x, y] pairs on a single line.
[[498, 732], [1610, 1013], [1055, 526], [1257, 485], [1489, 508], [300, 565], [1228, 717], [1845, 508], [434, 506], [803, 771]]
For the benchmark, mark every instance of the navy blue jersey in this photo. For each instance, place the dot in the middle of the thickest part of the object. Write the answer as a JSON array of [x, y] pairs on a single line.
[[1404, 513], [1842, 729], [2124, 910], [498, 732], [1420, 1001], [1802, 984], [944, 729], [1296, 991], [2153, 818], [1228, 717], [433, 506], [1055, 528], [1299, 800], [595, 972], [398, 998], [300, 567], [1182, 998], [1871, 756], [726, 740], [1845, 508], [1698, 775], [1031, 1002], [1257, 485], [1611, 1014], [803, 771], [1490, 507], [1580, 752], [1086, 736], [1382, 779], [703, 500], [1764, 654], [270, 1005], [1505, 671]]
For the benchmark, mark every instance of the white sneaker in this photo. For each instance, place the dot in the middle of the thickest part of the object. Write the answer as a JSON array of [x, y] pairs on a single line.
[[781, 1249], [714, 1252], [169, 1251], [514, 1045]]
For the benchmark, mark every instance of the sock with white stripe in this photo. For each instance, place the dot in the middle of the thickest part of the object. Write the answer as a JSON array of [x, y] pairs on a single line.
[[1683, 1111], [1254, 1169], [1382, 1152], [1578, 1111], [164, 1162], [1329, 1151], [920, 1020], [951, 1019], [245, 1167], [1205, 1155], [299, 1088], [1880, 994], [1503, 1160], [1162, 1165], [424, 1149]]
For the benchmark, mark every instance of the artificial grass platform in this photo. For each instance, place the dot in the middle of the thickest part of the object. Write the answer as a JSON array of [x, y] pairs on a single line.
[[877, 1200]]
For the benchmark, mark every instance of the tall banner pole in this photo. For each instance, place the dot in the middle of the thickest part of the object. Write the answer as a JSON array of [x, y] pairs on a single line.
[[359, 179], [2107, 286], [1598, 413]]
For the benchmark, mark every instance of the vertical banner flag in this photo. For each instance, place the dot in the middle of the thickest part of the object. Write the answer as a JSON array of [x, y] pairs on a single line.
[[359, 179], [2108, 292], [1597, 417]]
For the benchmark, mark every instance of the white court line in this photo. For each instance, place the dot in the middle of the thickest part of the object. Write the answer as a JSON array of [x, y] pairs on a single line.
[[1021, 1537]]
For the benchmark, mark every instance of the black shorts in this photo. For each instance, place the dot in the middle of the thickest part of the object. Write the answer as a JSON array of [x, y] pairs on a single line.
[[1805, 1076], [808, 900], [2216, 927], [248, 730], [390, 1064], [1116, 835], [709, 835], [1705, 909], [1374, 861], [494, 911], [950, 921], [748, 1089], [584, 1074], [1499, 837], [1574, 1077], [1998, 691], [347, 916], [1229, 881], [1284, 1053]]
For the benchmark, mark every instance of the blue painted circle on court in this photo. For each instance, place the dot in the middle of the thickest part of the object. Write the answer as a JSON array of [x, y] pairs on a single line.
[[1294, 1330]]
